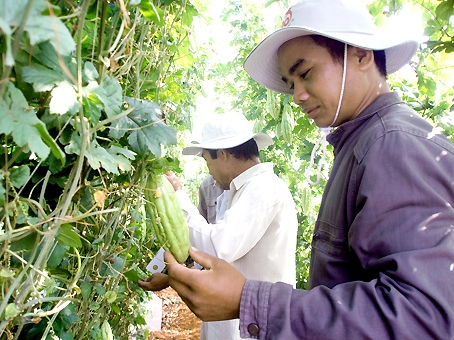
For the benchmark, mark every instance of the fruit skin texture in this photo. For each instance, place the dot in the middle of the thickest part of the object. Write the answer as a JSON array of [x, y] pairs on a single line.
[[167, 217]]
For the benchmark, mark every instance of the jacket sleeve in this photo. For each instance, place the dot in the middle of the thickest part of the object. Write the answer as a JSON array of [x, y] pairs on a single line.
[[402, 236]]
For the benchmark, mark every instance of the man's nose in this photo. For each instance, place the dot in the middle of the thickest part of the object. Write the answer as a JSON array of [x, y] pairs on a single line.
[[300, 94]]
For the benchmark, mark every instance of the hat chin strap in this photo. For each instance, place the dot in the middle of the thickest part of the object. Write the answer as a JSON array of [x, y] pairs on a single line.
[[324, 131]]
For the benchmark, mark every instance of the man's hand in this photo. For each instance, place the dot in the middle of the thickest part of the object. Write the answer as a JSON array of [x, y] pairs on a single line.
[[174, 180], [212, 294], [155, 282]]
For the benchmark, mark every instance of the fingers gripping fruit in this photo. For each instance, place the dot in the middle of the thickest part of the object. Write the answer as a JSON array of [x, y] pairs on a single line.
[[167, 218]]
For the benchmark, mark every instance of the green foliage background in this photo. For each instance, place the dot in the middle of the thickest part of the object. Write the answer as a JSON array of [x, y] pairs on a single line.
[[92, 93], [97, 95]]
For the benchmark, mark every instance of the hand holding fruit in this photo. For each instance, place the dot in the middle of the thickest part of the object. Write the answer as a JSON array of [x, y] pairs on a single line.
[[212, 294]]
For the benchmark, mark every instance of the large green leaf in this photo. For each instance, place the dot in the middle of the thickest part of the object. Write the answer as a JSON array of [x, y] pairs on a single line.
[[42, 78], [147, 131], [445, 9], [39, 27], [111, 160], [20, 121]]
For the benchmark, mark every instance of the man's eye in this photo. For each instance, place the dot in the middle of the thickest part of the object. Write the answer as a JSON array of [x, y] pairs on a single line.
[[304, 74]]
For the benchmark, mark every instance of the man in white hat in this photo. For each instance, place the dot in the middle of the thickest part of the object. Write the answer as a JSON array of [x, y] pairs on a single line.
[[258, 232], [382, 259]]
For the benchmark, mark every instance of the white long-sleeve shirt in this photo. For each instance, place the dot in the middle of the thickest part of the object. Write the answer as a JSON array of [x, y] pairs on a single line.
[[257, 235]]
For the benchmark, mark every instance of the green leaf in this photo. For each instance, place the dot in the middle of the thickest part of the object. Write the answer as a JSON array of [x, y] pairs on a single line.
[[86, 288], [94, 305], [111, 96], [42, 78], [132, 275], [110, 296], [26, 243], [92, 107], [98, 156], [68, 237], [17, 119], [121, 156], [89, 72], [111, 160], [56, 256], [49, 141], [39, 27], [444, 10], [11, 311], [150, 12], [6, 273], [148, 131], [100, 289], [19, 175]]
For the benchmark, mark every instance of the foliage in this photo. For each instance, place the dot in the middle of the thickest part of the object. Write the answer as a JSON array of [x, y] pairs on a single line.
[[90, 103]]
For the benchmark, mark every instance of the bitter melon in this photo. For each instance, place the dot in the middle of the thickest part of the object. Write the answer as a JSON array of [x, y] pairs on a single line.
[[166, 216]]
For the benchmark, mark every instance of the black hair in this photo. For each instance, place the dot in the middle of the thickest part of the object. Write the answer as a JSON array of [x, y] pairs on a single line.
[[246, 151], [336, 49]]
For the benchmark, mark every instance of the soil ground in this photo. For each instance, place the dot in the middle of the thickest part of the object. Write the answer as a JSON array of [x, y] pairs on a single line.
[[178, 322]]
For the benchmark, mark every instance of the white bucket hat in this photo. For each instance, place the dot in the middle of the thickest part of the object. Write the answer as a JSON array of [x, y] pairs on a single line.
[[224, 131], [347, 21]]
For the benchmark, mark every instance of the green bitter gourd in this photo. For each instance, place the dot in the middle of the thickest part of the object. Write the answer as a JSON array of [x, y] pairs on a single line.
[[167, 217]]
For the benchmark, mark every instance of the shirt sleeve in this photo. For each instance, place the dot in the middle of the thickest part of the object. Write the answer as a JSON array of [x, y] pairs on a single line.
[[243, 225], [402, 235]]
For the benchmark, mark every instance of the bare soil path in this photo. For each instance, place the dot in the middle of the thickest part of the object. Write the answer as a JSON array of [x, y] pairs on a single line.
[[178, 322]]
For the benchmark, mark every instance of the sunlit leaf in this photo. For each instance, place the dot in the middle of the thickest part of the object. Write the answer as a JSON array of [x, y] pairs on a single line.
[[64, 99], [39, 27], [152, 13]]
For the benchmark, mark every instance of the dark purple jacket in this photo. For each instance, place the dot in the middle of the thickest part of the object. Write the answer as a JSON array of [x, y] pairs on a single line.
[[382, 260]]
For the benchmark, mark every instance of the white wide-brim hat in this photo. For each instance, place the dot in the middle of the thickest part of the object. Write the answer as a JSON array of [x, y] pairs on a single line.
[[225, 131], [347, 21]]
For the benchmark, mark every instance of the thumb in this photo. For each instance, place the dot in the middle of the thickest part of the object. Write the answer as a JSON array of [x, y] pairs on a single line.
[[169, 259], [204, 259]]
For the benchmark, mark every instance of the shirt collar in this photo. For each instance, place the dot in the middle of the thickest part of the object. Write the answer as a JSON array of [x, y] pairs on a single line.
[[245, 176], [382, 101]]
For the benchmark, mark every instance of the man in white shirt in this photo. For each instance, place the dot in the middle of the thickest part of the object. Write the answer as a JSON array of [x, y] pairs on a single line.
[[212, 200], [258, 232]]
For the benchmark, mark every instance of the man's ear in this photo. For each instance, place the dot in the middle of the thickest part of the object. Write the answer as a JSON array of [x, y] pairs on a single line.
[[365, 58], [222, 154]]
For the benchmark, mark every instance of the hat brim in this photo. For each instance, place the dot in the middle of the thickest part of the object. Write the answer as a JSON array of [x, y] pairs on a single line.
[[262, 62], [262, 140]]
